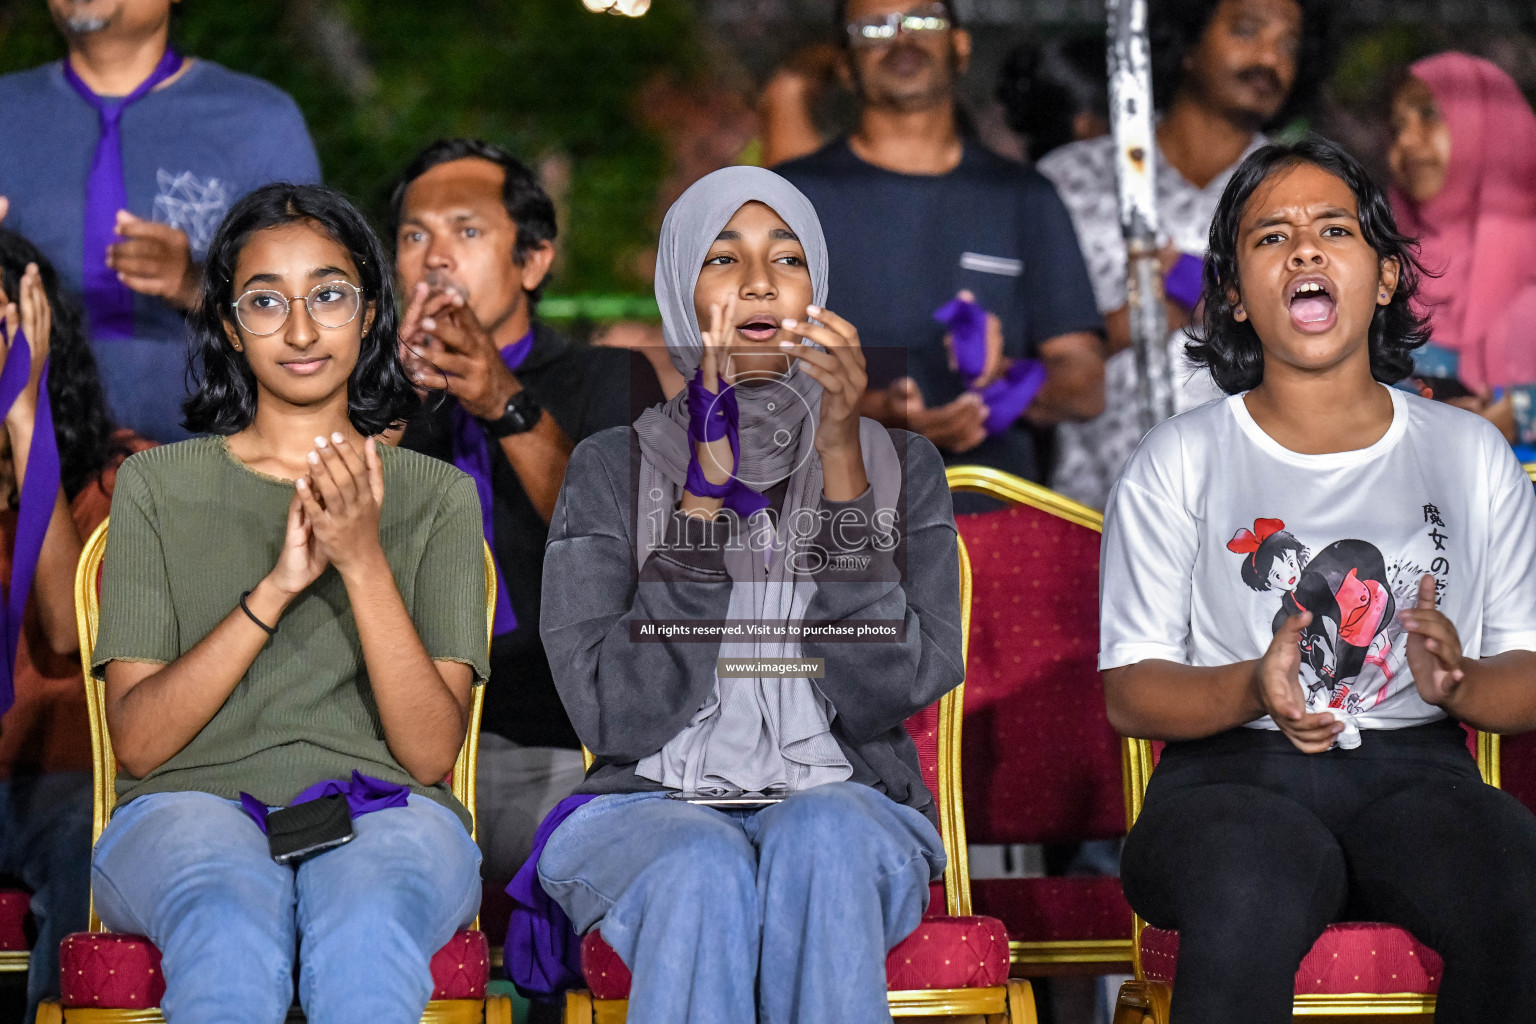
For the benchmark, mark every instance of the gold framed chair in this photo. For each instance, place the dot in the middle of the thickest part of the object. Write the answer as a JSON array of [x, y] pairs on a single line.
[[1146, 998], [1036, 775], [937, 733], [490, 1009]]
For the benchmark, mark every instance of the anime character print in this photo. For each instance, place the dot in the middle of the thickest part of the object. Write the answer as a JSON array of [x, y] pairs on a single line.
[[1354, 612]]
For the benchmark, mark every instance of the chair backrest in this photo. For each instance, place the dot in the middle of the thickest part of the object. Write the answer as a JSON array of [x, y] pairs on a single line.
[[1042, 761], [936, 732], [104, 762]]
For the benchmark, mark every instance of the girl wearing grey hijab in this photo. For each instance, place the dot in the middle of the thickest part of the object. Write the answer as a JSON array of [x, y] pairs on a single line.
[[753, 517]]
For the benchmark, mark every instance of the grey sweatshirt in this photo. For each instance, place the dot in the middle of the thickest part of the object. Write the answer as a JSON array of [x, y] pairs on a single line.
[[626, 699]]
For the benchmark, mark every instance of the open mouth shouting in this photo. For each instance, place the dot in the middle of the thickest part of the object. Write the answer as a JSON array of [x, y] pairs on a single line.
[[758, 327], [1312, 304]]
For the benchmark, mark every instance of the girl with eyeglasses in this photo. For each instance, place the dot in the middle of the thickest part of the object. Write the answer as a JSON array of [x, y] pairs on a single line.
[[291, 610]]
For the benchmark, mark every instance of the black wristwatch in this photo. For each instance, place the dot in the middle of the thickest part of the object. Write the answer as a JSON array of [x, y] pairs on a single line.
[[520, 416]]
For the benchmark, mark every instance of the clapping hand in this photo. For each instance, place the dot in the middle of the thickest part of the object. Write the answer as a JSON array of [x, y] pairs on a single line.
[[1434, 648], [341, 499], [34, 316], [1277, 681], [155, 259], [715, 457], [839, 369]]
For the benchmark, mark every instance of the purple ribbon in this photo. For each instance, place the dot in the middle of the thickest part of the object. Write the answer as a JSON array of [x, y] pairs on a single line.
[[1005, 398], [38, 492], [543, 951], [711, 417], [472, 454], [107, 299], [365, 794], [1184, 280]]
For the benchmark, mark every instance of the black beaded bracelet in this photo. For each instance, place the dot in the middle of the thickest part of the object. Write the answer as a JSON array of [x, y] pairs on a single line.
[[271, 630]]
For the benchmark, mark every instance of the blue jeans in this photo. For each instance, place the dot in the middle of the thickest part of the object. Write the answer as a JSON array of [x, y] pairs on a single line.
[[45, 840], [807, 895], [193, 873]]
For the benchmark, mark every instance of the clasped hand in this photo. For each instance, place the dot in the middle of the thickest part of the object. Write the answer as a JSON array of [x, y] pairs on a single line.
[[443, 346], [334, 516], [1434, 658]]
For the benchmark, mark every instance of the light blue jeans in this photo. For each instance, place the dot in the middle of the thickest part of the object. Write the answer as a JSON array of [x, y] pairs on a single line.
[[192, 872], [782, 915], [45, 840]]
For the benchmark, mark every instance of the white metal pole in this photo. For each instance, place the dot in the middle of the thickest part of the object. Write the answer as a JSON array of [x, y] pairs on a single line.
[[1130, 115]]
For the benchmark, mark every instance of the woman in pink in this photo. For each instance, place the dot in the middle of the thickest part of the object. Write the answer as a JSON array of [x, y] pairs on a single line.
[[1463, 163]]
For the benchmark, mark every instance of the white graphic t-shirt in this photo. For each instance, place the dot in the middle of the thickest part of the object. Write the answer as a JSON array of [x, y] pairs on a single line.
[[1215, 534]]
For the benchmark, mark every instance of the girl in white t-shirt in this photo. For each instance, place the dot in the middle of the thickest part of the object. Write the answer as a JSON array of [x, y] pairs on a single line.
[[1306, 588]]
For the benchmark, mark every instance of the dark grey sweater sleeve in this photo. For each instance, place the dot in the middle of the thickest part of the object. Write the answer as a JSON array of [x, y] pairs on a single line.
[[625, 698], [877, 686]]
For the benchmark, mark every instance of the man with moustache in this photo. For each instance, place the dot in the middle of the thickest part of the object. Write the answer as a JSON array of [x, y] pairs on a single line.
[[119, 163], [915, 212], [1223, 70], [506, 400]]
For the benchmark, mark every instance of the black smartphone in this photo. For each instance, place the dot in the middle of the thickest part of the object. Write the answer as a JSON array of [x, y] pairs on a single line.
[[303, 830]]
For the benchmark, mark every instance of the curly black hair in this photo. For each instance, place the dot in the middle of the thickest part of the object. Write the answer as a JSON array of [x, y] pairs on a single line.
[[527, 203], [1175, 27], [379, 395], [1231, 350], [80, 423]]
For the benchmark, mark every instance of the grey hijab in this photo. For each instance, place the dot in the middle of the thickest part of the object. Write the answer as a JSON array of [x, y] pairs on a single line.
[[766, 733]]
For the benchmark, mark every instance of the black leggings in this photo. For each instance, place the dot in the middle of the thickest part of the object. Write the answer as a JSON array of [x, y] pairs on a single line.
[[1250, 848]]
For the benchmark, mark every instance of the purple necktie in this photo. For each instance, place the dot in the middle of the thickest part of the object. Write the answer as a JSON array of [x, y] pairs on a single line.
[[37, 496], [472, 454], [108, 301]]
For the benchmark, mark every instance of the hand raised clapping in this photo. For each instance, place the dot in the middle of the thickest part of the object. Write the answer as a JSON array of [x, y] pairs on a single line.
[[334, 517]]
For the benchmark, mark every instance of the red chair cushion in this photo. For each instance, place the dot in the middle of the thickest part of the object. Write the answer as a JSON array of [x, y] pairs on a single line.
[[116, 972], [13, 915], [950, 952], [1350, 957], [1055, 909], [944, 952], [1042, 763], [122, 972], [462, 967]]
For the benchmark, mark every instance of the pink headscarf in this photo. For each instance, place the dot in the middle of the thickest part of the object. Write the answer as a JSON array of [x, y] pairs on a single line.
[[1479, 232]]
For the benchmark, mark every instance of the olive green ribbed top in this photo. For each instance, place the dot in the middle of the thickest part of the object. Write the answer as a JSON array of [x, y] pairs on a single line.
[[193, 527]]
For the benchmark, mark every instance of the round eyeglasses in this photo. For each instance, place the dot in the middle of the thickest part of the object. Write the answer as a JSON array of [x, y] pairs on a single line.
[[262, 311]]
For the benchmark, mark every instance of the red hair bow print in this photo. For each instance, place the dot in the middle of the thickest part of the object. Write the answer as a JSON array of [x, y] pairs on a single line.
[[1246, 542]]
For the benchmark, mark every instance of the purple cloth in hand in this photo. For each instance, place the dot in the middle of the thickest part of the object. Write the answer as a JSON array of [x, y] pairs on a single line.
[[1007, 397], [1184, 280], [967, 325], [365, 794], [38, 492], [711, 417], [107, 299], [472, 454], [543, 951]]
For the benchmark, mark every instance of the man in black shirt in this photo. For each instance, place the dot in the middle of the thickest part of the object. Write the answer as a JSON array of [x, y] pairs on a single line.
[[507, 399], [915, 213]]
